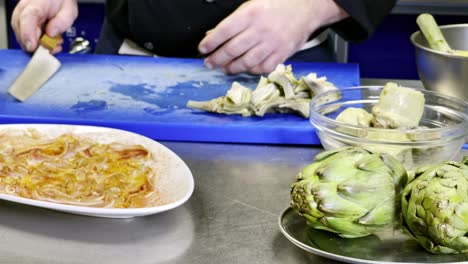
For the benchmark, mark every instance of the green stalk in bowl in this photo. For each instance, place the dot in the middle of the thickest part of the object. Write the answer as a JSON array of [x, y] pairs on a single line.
[[434, 36]]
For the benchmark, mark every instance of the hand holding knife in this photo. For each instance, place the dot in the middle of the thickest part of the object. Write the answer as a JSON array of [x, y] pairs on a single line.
[[39, 69]]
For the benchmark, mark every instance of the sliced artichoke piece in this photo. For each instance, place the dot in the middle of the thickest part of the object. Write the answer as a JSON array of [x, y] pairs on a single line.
[[239, 94], [284, 78], [269, 106], [318, 85], [435, 207], [220, 105], [279, 92], [355, 116], [302, 86], [290, 75], [300, 105], [213, 105], [398, 107], [262, 82], [424, 135], [302, 95], [386, 138], [236, 101], [350, 191], [264, 95]]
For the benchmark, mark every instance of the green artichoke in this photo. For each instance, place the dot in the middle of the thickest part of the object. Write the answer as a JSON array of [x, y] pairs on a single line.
[[349, 191], [435, 207]]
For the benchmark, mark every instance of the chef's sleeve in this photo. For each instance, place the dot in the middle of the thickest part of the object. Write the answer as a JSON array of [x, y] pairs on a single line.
[[365, 16]]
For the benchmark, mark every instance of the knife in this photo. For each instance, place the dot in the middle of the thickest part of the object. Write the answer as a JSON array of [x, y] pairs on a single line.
[[39, 69]]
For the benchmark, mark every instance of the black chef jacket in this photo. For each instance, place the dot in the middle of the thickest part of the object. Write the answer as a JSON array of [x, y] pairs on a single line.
[[174, 28]]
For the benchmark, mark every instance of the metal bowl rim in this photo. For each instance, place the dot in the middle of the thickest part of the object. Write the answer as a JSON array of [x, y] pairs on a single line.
[[418, 45]]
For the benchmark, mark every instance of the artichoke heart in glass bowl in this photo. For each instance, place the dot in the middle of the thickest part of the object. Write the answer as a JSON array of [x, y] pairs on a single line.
[[417, 127]]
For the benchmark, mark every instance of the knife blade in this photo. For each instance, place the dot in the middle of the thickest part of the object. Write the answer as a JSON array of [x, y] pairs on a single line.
[[39, 69]]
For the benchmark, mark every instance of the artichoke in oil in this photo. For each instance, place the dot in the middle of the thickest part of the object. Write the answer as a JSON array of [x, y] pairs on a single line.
[[435, 207], [350, 191]]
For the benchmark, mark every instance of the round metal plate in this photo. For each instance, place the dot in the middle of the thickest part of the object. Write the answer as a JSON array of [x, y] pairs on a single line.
[[390, 246]]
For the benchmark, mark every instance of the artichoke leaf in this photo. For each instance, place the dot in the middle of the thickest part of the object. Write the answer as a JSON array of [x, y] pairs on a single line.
[[336, 206], [382, 214]]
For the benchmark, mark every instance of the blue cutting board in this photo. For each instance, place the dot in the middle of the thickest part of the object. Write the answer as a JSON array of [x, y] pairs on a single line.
[[149, 95]]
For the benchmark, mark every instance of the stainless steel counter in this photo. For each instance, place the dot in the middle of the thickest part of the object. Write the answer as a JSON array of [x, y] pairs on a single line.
[[240, 190]]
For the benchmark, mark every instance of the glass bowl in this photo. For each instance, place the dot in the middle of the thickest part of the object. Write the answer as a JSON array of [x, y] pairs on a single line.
[[442, 132]]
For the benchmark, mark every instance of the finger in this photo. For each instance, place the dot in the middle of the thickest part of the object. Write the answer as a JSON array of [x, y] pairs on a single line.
[[15, 23], [225, 30], [234, 48], [268, 65], [15, 17], [63, 20], [37, 33], [57, 49], [249, 60], [30, 21]]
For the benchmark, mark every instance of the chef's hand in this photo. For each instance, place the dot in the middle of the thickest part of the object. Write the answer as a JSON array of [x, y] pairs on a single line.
[[30, 17], [263, 33]]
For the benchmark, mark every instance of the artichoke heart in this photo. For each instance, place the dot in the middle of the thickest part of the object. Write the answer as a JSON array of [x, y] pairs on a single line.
[[284, 77], [355, 116], [280, 92], [239, 94], [236, 101], [349, 191], [262, 82], [318, 85], [300, 105], [264, 95], [435, 207], [400, 152], [398, 107]]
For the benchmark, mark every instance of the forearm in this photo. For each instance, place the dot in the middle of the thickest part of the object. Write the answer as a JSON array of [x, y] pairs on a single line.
[[330, 12]]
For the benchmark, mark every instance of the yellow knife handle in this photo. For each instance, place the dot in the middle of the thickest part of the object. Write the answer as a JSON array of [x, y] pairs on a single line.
[[49, 42]]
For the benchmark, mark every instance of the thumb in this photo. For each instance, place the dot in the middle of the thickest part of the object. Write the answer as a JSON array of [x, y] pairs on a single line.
[[63, 20]]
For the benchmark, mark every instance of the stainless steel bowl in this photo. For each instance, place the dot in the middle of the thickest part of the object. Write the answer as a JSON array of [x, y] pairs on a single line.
[[440, 72]]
